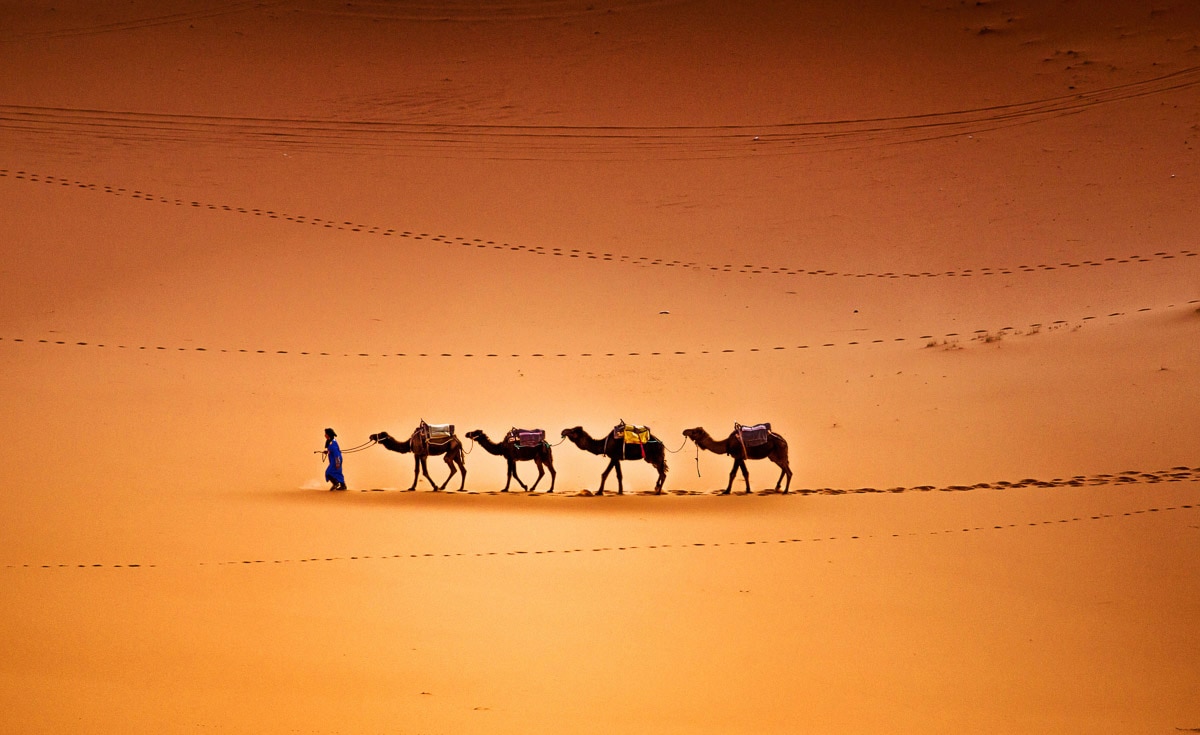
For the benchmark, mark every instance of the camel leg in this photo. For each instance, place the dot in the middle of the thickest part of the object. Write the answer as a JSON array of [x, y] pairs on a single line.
[[549, 462], [662, 476], [781, 459], [450, 460], [541, 472], [425, 471], [620, 480], [604, 475], [424, 468], [784, 471], [462, 468], [416, 472], [738, 463], [512, 474]]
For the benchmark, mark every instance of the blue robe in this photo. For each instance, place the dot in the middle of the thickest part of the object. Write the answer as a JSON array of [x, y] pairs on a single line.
[[334, 472]]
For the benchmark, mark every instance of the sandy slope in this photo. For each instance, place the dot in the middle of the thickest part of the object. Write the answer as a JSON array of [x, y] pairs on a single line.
[[947, 250]]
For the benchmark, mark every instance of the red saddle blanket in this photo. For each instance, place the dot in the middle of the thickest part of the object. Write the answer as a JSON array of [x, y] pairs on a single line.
[[753, 436], [527, 437]]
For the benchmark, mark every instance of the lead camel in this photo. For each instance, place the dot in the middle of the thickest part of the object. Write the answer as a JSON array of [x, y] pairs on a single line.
[[775, 449], [617, 450], [421, 448], [514, 452]]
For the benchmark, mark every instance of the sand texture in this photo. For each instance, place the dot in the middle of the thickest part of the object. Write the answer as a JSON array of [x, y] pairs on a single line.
[[947, 249]]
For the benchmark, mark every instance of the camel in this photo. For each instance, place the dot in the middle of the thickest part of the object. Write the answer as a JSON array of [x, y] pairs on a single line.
[[421, 448], [617, 450], [776, 450], [514, 452]]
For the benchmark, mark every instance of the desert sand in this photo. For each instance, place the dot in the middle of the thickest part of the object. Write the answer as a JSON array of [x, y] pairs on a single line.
[[947, 249]]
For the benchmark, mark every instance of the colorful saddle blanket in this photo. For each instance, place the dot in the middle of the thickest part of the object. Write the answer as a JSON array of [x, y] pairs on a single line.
[[527, 437], [631, 434], [438, 433], [753, 436]]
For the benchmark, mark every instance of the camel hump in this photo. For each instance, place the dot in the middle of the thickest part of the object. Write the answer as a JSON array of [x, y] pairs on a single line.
[[753, 436]]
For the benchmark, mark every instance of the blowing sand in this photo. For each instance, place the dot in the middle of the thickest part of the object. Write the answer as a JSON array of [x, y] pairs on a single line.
[[947, 249]]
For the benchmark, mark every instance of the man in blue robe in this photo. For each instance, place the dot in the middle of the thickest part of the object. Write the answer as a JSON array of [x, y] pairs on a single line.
[[333, 473]]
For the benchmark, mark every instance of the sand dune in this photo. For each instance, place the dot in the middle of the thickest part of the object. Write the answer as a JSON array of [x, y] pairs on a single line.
[[948, 250]]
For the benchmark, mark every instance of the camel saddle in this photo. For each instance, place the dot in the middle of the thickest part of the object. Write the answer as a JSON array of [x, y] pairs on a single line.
[[527, 437], [753, 436], [437, 433], [631, 434]]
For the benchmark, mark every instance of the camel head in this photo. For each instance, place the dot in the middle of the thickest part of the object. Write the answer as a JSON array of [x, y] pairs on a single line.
[[473, 434], [384, 438], [695, 434], [577, 435]]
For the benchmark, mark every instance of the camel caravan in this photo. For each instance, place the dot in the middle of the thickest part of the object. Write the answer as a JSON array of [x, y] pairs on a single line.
[[625, 442]]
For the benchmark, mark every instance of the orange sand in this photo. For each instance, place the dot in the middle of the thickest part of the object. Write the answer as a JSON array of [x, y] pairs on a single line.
[[947, 250]]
